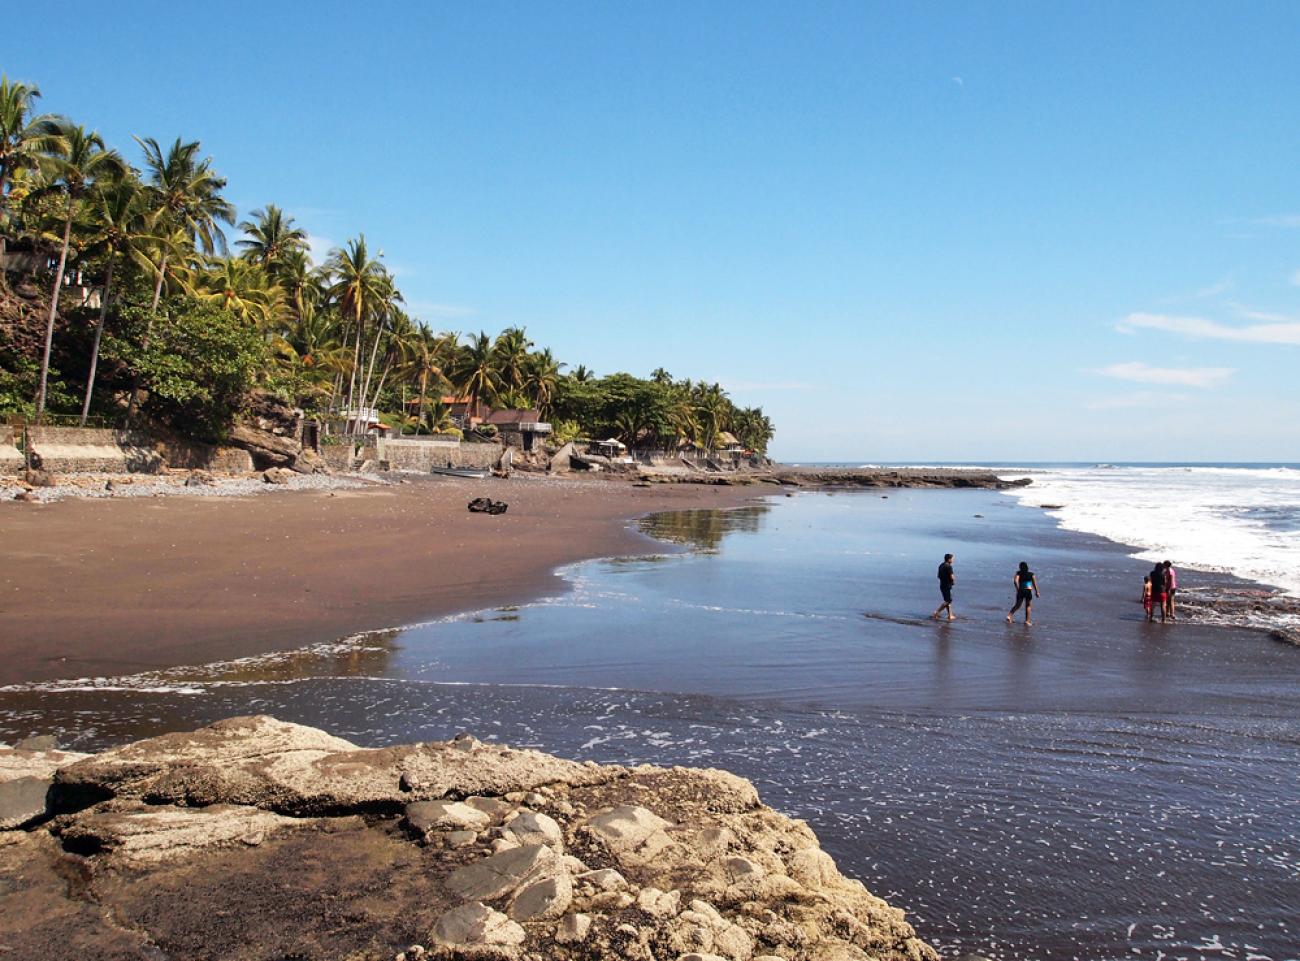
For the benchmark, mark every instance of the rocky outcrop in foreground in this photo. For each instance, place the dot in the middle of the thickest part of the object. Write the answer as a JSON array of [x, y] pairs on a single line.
[[254, 838]]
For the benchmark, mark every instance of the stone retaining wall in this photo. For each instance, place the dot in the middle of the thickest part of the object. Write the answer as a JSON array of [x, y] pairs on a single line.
[[73, 449], [11, 458], [419, 454], [479, 455]]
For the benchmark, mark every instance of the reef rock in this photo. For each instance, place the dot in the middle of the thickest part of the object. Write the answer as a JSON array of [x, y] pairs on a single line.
[[258, 838]]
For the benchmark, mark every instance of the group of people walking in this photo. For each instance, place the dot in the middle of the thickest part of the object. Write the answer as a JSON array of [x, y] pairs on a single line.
[[1024, 582], [1158, 590]]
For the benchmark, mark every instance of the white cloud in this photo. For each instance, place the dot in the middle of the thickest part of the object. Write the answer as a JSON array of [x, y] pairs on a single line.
[[1278, 220], [1142, 373], [1278, 329], [319, 247]]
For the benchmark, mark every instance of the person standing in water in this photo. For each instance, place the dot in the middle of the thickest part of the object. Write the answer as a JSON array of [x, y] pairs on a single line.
[[1146, 595], [1171, 588], [1026, 590], [946, 580], [1158, 593]]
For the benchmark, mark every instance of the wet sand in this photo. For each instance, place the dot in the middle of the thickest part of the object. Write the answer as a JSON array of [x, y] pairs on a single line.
[[108, 587]]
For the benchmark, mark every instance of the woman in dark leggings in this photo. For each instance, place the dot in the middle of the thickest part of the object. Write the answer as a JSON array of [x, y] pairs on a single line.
[[1026, 590]]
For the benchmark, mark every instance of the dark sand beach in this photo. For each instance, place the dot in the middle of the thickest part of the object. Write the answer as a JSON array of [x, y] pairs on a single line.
[[94, 587]]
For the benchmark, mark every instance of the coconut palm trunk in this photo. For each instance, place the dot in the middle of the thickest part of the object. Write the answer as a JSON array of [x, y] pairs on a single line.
[[54, 308], [99, 334], [352, 380], [370, 369]]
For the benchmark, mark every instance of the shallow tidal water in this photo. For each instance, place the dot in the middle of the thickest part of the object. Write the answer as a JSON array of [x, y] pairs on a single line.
[[1092, 787]]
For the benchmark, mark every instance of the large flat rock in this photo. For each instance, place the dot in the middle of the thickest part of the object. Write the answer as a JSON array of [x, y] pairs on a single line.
[[257, 839]]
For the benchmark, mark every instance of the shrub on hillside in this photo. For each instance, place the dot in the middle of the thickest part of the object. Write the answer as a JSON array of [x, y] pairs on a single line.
[[198, 363]]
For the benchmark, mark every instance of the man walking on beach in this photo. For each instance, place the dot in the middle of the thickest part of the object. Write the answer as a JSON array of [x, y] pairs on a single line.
[[946, 580], [1171, 588]]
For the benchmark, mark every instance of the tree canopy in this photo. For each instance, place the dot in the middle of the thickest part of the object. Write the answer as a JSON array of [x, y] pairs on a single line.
[[187, 322]]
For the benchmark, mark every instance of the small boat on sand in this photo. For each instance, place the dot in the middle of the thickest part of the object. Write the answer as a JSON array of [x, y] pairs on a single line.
[[474, 472]]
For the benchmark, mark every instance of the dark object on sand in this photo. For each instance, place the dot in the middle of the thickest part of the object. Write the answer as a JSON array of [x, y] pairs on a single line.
[[486, 505]]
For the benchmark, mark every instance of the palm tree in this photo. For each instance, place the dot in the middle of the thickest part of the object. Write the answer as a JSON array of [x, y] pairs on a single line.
[[582, 373], [242, 288], [293, 271], [710, 409], [661, 376], [431, 359], [543, 378], [23, 141], [80, 158], [187, 194], [475, 372], [362, 288], [121, 225], [271, 238], [511, 349]]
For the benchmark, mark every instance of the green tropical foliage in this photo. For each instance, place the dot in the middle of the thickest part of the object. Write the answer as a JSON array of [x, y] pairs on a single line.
[[181, 325]]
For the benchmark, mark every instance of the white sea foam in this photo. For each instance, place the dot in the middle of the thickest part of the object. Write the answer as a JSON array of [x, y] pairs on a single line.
[[1238, 520]]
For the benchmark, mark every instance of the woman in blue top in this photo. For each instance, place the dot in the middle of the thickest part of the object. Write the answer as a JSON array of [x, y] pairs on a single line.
[[1026, 590]]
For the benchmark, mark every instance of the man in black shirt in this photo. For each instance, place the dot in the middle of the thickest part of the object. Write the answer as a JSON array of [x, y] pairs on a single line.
[[946, 580]]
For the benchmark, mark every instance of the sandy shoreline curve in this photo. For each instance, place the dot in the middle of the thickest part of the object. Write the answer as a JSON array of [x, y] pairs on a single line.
[[118, 586]]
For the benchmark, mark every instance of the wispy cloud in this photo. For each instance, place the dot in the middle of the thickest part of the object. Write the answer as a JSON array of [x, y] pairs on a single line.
[[319, 247], [1276, 220], [1204, 293], [1140, 398], [1276, 329], [1220, 287], [1142, 373]]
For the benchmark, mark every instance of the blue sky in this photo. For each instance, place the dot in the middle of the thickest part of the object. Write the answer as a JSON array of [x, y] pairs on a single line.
[[909, 231]]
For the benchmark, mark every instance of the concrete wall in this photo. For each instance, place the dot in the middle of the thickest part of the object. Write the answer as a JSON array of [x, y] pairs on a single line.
[[419, 453], [71, 449], [11, 458], [185, 454], [337, 456], [479, 455]]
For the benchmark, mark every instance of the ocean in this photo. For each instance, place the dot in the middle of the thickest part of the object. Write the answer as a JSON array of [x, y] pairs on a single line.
[[1093, 787]]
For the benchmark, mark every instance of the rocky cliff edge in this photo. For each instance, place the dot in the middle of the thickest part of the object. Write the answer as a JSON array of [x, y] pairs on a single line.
[[258, 839]]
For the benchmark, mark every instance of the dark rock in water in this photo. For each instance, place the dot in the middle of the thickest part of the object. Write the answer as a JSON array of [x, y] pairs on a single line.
[[22, 801], [1274, 612], [877, 477]]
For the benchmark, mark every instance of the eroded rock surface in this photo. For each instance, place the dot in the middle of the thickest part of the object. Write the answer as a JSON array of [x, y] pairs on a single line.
[[254, 838]]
